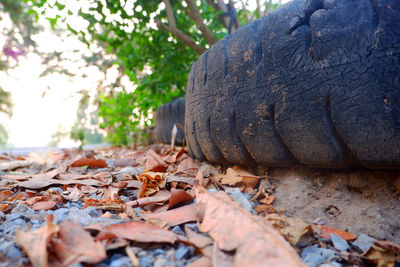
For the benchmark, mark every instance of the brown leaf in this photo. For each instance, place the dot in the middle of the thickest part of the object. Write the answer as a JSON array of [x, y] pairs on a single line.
[[139, 232], [73, 176], [124, 162], [74, 245], [325, 232], [141, 202], [235, 175], [180, 179], [291, 228], [159, 168], [5, 194], [201, 262], [40, 183], [179, 196], [9, 166], [234, 229], [44, 205], [46, 175], [90, 162], [382, 257], [152, 182], [35, 243], [388, 245], [176, 216], [199, 240], [268, 200]]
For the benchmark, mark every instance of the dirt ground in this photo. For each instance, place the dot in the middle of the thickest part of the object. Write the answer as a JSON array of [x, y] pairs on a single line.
[[358, 201]]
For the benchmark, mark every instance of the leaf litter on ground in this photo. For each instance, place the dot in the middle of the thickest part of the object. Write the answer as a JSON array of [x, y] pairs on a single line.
[[158, 196]]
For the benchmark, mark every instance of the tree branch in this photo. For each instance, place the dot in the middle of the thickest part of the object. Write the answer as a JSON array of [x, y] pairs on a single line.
[[181, 36], [258, 9], [246, 17], [170, 13], [195, 15]]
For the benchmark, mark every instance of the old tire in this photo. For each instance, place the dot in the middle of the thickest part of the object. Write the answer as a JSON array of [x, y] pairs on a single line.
[[166, 116], [314, 82]]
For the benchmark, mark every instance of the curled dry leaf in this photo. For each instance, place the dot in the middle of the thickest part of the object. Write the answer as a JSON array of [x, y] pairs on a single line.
[[152, 182], [90, 162], [382, 257], [235, 175], [44, 205], [137, 231], [325, 232], [141, 202], [234, 229], [291, 228], [388, 245], [74, 245], [40, 183], [34, 243], [179, 196], [175, 216]]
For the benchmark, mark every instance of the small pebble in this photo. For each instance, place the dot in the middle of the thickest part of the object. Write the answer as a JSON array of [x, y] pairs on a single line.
[[13, 216], [315, 256], [183, 252], [363, 243], [160, 262], [193, 226], [60, 215], [178, 230], [240, 197], [19, 222], [158, 252], [146, 261], [142, 253], [20, 209], [339, 243], [13, 252], [121, 262]]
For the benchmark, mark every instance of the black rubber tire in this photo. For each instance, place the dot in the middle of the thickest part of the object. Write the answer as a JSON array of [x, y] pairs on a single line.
[[166, 116], [314, 83]]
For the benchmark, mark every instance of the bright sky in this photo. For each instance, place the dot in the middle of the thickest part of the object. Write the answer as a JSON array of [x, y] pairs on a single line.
[[36, 117]]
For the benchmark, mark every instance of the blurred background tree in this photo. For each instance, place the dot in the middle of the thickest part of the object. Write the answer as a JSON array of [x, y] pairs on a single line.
[[153, 42]]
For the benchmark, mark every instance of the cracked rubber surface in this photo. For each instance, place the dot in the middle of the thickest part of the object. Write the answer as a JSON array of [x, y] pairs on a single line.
[[314, 82], [166, 116]]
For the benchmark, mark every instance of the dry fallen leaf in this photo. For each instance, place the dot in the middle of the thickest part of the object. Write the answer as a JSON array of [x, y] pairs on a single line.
[[325, 232], [34, 243], [235, 175], [92, 163], [138, 231], [5, 194], [291, 228], [44, 205], [74, 245], [179, 196], [235, 230], [40, 183], [175, 216], [199, 240], [201, 262], [152, 182], [9, 166], [382, 257]]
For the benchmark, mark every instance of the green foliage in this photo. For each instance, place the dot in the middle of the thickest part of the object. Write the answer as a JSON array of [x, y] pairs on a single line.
[[117, 115], [155, 60], [78, 134]]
